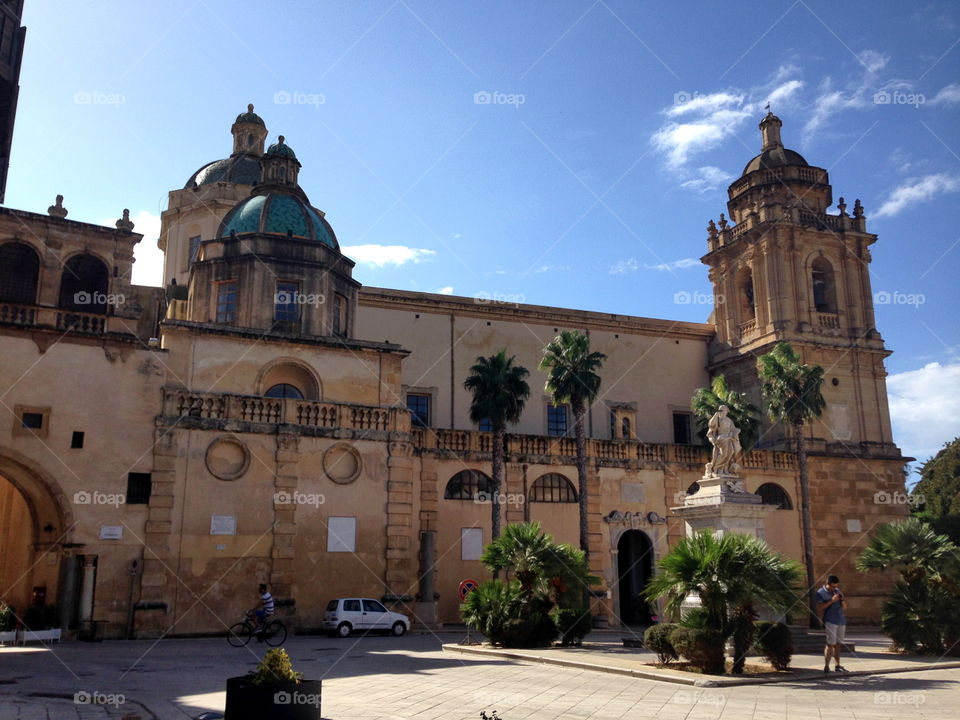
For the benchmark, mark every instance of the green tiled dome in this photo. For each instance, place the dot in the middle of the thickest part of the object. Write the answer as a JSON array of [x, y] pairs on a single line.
[[240, 169], [282, 149], [250, 117], [278, 214]]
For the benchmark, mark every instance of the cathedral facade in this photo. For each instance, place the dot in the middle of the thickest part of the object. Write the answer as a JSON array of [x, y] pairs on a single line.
[[265, 418]]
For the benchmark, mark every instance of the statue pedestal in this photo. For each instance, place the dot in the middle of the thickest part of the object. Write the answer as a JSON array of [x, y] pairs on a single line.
[[721, 505]]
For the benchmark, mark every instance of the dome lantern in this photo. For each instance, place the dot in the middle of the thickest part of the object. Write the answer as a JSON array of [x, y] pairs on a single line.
[[280, 165], [249, 133]]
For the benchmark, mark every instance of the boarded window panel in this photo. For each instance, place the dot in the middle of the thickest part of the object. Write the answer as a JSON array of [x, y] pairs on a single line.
[[471, 543], [342, 534]]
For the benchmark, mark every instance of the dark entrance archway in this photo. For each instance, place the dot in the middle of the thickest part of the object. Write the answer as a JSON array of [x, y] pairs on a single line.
[[634, 569]]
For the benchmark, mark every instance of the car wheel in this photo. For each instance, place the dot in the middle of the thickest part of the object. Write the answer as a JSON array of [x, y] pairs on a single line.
[[398, 629], [343, 629]]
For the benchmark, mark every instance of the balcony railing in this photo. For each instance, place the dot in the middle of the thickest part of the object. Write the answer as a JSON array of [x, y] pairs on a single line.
[[828, 321], [35, 316], [303, 413], [748, 330]]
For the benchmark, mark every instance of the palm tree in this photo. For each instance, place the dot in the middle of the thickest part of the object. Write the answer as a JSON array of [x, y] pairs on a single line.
[[572, 379], [921, 613], [791, 390], [731, 575], [499, 393], [743, 413]]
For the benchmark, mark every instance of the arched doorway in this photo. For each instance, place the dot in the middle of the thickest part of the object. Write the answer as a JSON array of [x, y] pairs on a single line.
[[634, 569], [34, 530]]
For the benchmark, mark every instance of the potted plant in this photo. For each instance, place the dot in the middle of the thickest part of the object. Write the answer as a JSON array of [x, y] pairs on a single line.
[[274, 690], [8, 624]]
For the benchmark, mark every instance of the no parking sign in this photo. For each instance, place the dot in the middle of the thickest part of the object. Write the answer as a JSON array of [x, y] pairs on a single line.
[[466, 587]]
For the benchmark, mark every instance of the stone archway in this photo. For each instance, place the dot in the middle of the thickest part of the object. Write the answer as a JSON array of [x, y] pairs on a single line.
[[634, 570], [36, 529]]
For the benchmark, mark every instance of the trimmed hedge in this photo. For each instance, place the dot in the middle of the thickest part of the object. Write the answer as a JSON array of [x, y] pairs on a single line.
[[775, 643], [704, 648], [657, 638]]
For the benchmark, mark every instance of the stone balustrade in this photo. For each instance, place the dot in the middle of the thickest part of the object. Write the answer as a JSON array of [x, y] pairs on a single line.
[[39, 317], [272, 411]]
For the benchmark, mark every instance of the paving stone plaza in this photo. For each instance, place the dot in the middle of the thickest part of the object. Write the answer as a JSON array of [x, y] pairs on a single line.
[[373, 678]]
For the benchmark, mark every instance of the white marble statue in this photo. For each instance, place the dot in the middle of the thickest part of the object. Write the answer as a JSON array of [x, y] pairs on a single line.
[[724, 435]]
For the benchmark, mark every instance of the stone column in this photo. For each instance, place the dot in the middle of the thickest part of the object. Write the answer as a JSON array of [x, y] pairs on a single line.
[[157, 581], [400, 574], [283, 552]]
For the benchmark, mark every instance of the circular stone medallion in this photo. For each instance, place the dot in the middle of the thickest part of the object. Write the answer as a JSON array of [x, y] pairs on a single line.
[[342, 463], [227, 458]]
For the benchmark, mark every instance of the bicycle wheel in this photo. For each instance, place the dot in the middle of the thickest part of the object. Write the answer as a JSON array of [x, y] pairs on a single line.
[[239, 634], [275, 633]]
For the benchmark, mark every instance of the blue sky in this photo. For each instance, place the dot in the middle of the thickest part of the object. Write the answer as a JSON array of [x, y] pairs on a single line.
[[561, 153]]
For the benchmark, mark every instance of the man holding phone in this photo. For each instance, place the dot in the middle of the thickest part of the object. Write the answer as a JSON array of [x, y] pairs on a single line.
[[831, 603]]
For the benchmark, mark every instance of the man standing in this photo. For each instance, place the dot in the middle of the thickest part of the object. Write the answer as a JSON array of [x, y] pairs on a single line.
[[831, 603]]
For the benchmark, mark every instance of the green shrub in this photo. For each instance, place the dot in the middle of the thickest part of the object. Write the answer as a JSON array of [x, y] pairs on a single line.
[[702, 647], [41, 617], [572, 624], [490, 607], [696, 617], [275, 667], [534, 629], [8, 618], [775, 643], [657, 638], [920, 618]]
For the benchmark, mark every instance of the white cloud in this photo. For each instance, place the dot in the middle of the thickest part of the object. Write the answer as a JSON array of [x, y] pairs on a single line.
[[632, 265], [872, 60], [379, 255], [917, 190], [699, 123], [948, 95], [925, 408], [829, 102], [147, 257], [707, 178], [448, 290], [550, 268]]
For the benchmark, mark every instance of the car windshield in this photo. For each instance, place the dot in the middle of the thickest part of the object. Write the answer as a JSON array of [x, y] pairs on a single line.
[[331, 606]]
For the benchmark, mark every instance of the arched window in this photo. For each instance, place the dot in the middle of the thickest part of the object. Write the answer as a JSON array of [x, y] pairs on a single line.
[[19, 270], [625, 428], [466, 485], [824, 288], [553, 488], [83, 285], [773, 494], [284, 390], [745, 295]]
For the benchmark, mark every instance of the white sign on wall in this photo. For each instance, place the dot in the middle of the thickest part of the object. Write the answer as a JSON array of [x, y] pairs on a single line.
[[342, 534], [471, 543], [111, 532], [223, 525]]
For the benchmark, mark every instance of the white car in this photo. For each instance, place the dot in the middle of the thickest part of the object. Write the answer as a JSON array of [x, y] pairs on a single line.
[[344, 615]]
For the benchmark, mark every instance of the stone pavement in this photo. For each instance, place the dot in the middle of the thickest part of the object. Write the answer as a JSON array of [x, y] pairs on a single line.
[[374, 678], [605, 653]]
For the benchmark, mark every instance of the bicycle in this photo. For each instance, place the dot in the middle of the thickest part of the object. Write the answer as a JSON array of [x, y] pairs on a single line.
[[272, 632]]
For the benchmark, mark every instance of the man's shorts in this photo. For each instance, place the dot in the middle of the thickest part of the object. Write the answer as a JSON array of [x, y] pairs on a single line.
[[835, 633]]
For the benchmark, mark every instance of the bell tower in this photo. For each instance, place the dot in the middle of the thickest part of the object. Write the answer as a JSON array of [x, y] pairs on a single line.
[[783, 269]]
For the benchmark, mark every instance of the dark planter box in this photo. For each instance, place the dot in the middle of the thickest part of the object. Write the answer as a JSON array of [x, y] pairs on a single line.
[[278, 701]]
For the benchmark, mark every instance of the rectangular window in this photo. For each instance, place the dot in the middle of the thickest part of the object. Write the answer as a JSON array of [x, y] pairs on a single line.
[[194, 248], [342, 534], [339, 315], [32, 420], [471, 543], [682, 433], [227, 301], [138, 488], [486, 425], [556, 420], [76, 440], [286, 309], [419, 407]]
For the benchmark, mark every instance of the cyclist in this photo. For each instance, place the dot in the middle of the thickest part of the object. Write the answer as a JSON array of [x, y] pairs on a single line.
[[264, 608]]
